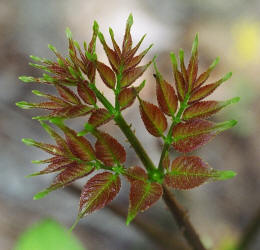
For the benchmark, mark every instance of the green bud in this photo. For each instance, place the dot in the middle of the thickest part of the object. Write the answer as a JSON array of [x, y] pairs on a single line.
[[27, 78], [68, 33]]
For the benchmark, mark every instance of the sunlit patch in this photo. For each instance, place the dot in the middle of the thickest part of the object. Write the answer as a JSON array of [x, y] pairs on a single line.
[[246, 35]]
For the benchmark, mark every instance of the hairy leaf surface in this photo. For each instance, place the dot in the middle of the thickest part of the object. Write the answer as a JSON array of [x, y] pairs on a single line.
[[98, 192], [205, 108], [109, 150], [67, 176], [136, 173], [195, 133], [85, 93], [99, 117], [78, 145], [143, 195], [166, 96], [187, 172], [126, 97], [153, 118], [107, 75]]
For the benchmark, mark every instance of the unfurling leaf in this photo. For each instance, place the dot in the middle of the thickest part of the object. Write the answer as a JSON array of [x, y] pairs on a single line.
[[107, 75], [85, 93], [193, 64], [99, 117], [127, 97], [112, 56], [132, 75], [195, 133], [68, 95], [153, 118], [136, 173], [205, 75], [67, 176], [62, 144], [51, 149], [134, 61], [166, 96], [206, 108], [98, 192], [78, 145], [143, 194], [187, 172], [115, 45], [109, 150], [43, 105], [58, 164], [71, 112], [206, 90], [180, 83], [127, 42]]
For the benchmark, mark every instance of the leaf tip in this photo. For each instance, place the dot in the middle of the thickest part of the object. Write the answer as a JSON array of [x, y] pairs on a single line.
[[28, 141], [195, 44], [68, 33], [227, 76], [224, 175], [95, 27], [130, 20], [26, 78], [41, 194]]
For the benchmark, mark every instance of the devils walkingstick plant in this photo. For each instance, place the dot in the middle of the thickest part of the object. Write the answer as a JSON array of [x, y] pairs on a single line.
[[181, 109]]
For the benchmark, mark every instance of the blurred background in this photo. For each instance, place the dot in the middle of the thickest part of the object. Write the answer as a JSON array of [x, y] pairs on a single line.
[[221, 211]]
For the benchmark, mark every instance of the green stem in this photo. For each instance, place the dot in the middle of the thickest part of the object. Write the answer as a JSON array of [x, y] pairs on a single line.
[[102, 99], [118, 87], [135, 143], [168, 140], [125, 128]]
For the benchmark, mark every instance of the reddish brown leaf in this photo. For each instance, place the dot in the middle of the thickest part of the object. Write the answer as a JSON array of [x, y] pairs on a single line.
[[193, 64], [72, 111], [180, 84], [66, 177], [58, 165], [62, 144], [78, 145], [183, 68], [109, 150], [47, 105], [153, 118], [51, 149], [132, 62], [127, 42], [67, 94], [98, 192], [111, 54], [86, 94], [205, 75], [99, 117], [206, 90], [91, 71], [72, 173], [195, 133], [205, 108], [107, 75], [136, 173], [142, 196], [166, 96], [132, 75], [187, 172], [134, 50], [127, 97], [115, 45]]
